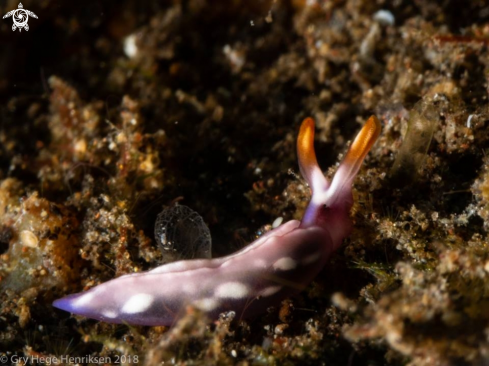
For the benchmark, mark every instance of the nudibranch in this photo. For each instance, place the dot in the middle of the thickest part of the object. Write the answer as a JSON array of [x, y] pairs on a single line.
[[278, 264]]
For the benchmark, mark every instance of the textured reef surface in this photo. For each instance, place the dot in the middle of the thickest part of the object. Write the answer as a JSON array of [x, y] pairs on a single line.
[[112, 110]]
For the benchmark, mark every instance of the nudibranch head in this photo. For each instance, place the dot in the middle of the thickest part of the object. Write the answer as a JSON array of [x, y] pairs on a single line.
[[331, 202], [277, 265]]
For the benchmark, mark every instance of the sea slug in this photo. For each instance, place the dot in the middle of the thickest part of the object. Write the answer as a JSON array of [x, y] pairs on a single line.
[[278, 264]]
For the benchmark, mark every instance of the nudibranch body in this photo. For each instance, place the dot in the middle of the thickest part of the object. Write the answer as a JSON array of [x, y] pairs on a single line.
[[279, 264]]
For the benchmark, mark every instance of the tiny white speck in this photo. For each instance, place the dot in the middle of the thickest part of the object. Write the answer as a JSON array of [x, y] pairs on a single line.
[[285, 264], [83, 300], [207, 304], [130, 47], [252, 23], [269, 291], [277, 222], [469, 121], [137, 303], [234, 290]]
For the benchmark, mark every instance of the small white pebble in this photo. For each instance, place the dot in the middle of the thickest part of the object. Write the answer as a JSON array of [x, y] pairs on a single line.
[[280, 328], [277, 222], [80, 147], [28, 239], [130, 47], [252, 23], [384, 17], [236, 58]]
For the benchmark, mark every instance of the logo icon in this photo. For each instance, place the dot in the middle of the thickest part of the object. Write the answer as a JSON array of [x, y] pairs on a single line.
[[20, 17]]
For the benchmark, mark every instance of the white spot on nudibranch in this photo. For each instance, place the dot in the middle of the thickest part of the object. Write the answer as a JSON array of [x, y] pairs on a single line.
[[285, 264], [234, 290], [311, 258], [83, 300], [111, 314], [269, 291], [137, 303], [189, 287], [206, 304], [260, 263]]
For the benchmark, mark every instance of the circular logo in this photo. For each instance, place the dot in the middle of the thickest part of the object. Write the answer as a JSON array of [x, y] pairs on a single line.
[[20, 18]]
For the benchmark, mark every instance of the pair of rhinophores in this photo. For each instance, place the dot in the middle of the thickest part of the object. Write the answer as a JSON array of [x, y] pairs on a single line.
[[279, 264]]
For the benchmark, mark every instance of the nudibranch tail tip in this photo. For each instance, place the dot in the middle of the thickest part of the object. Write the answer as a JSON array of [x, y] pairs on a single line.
[[65, 303]]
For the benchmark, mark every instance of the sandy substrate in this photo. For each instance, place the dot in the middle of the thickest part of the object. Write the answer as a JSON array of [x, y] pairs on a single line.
[[111, 111]]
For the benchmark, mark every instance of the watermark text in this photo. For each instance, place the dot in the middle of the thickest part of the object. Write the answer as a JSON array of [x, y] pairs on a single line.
[[68, 360]]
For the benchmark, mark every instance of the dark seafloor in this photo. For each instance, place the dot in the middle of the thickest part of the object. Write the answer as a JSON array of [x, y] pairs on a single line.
[[110, 110]]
